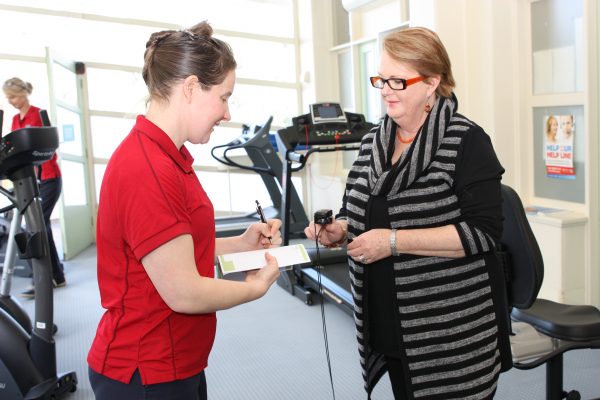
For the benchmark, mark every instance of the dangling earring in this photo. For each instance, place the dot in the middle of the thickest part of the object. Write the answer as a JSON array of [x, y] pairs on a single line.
[[427, 106]]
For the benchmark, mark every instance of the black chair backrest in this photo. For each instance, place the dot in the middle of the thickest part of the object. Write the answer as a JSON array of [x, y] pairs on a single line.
[[525, 259]]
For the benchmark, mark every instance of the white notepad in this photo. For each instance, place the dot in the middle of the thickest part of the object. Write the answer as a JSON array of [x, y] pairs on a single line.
[[249, 260]]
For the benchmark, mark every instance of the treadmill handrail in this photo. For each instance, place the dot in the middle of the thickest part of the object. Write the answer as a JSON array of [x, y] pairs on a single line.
[[239, 144]]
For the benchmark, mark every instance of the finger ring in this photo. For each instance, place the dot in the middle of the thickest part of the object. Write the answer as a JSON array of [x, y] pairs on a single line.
[[362, 258]]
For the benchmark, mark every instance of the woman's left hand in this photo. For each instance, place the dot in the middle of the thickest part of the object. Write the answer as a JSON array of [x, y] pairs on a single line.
[[370, 246], [262, 236]]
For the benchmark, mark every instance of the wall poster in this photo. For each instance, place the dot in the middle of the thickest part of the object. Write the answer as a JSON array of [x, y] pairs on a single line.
[[559, 131]]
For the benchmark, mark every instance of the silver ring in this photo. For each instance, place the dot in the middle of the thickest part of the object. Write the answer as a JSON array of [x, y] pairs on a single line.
[[362, 259]]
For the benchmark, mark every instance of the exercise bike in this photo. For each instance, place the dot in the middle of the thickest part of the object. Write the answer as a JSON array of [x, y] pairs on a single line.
[[28, 361]]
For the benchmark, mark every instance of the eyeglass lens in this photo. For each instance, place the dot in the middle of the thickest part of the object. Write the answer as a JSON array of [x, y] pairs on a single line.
[[394, 83]]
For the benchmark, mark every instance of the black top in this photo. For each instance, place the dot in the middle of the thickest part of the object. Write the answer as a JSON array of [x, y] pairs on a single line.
[[381, 289], [382, 305]]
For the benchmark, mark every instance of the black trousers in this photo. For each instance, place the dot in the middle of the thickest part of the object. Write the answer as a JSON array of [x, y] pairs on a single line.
[[193, 388], [50, 192]]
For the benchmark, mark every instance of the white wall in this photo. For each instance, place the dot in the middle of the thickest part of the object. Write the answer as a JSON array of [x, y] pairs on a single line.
[[487, 43], [479, 37], [490, 53]]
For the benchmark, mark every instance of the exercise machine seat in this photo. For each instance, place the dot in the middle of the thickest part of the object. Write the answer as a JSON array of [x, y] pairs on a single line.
[[566, 327], [562, 321]]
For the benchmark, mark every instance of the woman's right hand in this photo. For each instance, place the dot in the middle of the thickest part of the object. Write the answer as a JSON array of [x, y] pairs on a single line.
[[264, 277], [329, 235]]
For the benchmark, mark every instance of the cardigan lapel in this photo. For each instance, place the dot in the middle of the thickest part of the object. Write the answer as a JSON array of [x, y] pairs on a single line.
[[416, 158]]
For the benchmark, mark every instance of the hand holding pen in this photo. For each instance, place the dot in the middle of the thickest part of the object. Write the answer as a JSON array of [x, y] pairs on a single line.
[[261, 214]]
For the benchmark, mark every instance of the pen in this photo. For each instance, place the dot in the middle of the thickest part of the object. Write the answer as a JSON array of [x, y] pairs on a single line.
[[261, 214]]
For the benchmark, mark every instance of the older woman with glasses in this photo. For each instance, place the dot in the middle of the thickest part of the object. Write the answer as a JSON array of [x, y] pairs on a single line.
[[422, 212]]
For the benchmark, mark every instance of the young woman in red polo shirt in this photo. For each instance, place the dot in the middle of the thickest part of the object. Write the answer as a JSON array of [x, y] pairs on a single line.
[[156, 234], [17, 93]]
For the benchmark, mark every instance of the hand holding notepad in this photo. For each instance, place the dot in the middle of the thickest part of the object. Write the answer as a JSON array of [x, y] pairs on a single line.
[[255, 259]]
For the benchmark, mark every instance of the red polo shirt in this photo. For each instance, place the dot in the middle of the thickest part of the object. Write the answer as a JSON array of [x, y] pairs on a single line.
[[50, 169], [150, 194]]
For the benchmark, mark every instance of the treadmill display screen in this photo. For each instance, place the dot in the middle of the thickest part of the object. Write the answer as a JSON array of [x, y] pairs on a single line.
[[328, 112]]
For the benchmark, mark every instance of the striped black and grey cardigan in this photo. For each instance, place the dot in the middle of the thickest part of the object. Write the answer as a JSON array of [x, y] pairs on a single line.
[[453, 319]]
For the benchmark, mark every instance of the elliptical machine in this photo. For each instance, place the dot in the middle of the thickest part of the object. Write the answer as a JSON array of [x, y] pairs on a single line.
[[7, 302], [20, 267], [28, 361]]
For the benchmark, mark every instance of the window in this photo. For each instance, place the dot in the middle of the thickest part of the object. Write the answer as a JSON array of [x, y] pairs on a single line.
[[260, 32], [116, 90], [107, 133], [557, 92], [33, 72], [556, 27], [357, 52]]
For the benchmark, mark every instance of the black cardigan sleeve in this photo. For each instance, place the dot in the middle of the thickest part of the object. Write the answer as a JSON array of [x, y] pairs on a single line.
[[477, 185]]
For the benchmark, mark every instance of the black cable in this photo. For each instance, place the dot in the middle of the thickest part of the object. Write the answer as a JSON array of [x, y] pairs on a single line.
[[320, 286]]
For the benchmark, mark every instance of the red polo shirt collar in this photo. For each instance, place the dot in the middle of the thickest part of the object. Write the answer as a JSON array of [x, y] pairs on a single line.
[[181, 157]]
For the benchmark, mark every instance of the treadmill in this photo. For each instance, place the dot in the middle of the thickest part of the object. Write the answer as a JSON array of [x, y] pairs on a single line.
[[325, 128], [266, 162]]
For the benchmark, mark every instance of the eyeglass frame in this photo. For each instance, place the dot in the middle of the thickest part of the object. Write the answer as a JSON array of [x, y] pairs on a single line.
[[405, 82]]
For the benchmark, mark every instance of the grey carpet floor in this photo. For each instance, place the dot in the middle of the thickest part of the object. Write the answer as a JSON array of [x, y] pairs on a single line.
[[273, 348]]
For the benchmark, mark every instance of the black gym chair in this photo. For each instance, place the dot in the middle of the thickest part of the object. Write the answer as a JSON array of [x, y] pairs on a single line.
[[568, 327]]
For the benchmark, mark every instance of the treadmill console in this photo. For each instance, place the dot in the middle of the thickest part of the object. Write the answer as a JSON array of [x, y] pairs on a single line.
[[325, 124]]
